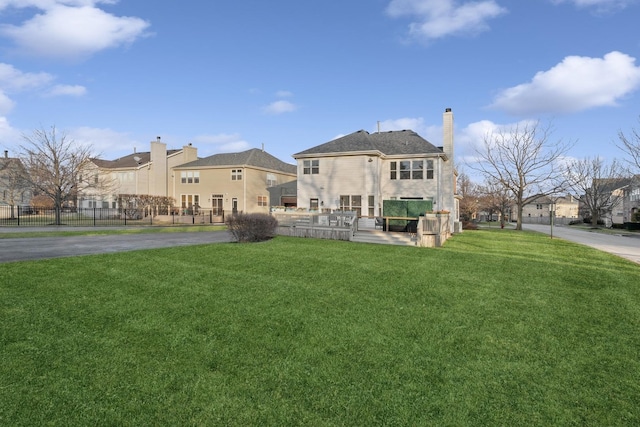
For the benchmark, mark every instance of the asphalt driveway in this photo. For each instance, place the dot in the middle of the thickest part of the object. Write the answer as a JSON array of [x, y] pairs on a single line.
[[26, 249]]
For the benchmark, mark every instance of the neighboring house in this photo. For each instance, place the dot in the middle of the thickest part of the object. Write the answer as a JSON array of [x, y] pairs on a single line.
[[14, 185], [230, 182], [631, 200], [139, 173], [538, 209], [284, 195], [360, 171], [610, 192]]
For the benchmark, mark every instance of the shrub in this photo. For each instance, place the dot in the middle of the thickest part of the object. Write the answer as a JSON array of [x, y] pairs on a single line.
[[255, 227], [469, 225]]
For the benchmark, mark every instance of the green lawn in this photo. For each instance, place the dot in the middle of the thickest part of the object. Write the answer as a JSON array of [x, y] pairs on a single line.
[[496, 328]]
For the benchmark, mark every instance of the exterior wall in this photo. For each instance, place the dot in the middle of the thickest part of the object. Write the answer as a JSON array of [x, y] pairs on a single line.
[[218, 181], [427, 189], [631, 201], [186, 155], [366, 175], [347, 175]]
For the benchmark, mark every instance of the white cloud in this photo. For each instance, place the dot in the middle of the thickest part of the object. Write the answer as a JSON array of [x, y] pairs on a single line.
[[6, 104], [220, 143], [67, 90], [599, 5], [103, 141], [577, 83], [10, 138], [441, 18], [280, 107], [49, 34], [13, 79]]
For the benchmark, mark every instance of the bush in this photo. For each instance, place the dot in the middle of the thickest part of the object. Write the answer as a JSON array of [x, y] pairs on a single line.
[[254, 227], [588, 221], [469, 225]]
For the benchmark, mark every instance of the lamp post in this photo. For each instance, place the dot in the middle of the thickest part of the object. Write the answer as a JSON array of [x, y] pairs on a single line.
[[552, 211]]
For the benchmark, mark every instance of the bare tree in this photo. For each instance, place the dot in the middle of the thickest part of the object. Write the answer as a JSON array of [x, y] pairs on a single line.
[[630, 145], [524, 161], [54, 165], [598, 184], [468, 190], [496, 198]]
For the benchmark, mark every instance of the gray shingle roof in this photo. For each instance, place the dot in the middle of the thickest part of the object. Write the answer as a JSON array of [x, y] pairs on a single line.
[[389, 143], [253, 157], [128, 161]]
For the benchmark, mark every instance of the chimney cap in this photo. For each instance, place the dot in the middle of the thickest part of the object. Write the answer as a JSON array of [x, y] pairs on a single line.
[[158, 138], [447, 110]]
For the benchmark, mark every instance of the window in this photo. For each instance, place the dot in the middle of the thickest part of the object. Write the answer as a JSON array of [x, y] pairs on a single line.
[[236, 174], [311, 167], [271, 180], [411, 169], [371, 203], [313, 204], [263, 201], [351, 203], [405, 169], [190, 177], [190, 200]]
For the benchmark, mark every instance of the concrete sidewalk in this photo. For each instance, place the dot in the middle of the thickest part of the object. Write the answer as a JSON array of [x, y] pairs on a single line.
[[624, 245]]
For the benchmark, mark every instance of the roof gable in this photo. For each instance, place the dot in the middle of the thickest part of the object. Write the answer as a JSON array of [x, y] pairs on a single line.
[[253, 157], [387, 143]]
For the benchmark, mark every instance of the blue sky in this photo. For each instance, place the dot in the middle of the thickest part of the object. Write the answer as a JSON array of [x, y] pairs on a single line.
[[229, 75]]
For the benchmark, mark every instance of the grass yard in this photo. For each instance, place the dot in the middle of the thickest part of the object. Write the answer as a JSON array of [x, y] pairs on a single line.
[[496, 328]]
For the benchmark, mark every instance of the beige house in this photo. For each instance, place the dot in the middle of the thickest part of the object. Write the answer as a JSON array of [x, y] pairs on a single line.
[[14, 187], [230, 182], [361, 170], [538, 210], [140, 173]]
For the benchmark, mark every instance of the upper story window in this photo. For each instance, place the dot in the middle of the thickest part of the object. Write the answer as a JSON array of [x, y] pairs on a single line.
[[311, 167], [190, 177], [411, 169], [236, 174], [271, 180]]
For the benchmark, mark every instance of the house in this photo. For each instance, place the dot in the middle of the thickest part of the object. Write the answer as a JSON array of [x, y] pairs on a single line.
[[608, 195], [139, 173], [14, 185], [631, 200], [538, 209], [362, 170], [230, 182]]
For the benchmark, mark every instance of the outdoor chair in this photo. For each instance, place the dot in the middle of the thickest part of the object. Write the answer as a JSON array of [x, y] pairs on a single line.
[[379, 223]]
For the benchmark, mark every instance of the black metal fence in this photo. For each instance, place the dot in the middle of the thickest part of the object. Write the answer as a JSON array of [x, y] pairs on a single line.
[[29, 216]]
